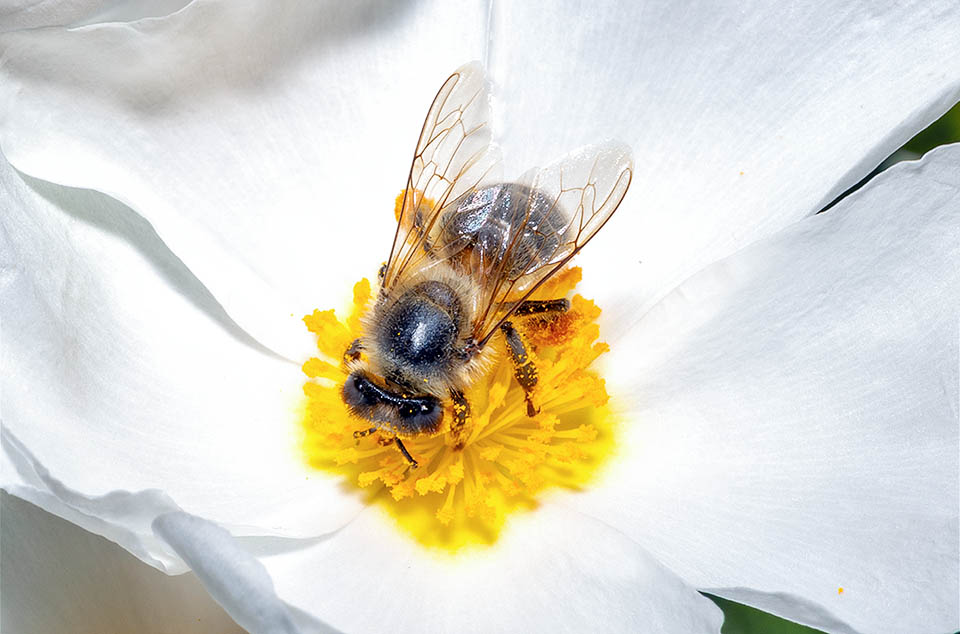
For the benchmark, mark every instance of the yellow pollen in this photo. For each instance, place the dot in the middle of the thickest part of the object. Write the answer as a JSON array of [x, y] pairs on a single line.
[[502, 460]]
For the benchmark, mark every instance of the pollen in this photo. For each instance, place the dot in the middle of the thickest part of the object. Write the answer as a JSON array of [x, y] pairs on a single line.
[[503, 461]]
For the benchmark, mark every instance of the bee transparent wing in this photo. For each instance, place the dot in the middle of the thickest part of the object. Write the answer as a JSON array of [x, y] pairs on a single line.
[[453, 156], [571, 200]]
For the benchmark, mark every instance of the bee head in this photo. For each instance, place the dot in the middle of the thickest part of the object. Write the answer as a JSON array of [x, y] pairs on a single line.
[[400, 413]]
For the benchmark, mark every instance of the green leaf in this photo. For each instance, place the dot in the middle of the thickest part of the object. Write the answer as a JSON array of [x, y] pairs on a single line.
[[742, 619]]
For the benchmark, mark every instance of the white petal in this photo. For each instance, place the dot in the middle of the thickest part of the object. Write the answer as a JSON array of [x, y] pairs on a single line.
[[121, 373], [267, 143], [553, 570], [60, 578], [793, 424], [237, 580], [744, 117], [32, 14]]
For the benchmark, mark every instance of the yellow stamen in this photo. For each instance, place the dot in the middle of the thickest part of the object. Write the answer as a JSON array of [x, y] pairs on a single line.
[[462, 496]]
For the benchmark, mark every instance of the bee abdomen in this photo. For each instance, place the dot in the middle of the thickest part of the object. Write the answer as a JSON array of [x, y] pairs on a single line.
[[485, 223]]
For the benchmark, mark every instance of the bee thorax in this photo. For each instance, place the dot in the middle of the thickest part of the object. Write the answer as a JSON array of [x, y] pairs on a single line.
[[418, 334]]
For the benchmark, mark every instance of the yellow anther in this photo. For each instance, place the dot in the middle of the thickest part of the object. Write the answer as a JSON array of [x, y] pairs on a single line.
[[317, 369]]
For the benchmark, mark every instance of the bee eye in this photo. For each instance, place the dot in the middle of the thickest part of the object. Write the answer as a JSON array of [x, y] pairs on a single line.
[[411, 408], [406, 409], [421, 414], [359, 392]]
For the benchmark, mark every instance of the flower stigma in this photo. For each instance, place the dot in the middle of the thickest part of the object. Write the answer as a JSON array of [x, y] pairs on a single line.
[[503, 461]]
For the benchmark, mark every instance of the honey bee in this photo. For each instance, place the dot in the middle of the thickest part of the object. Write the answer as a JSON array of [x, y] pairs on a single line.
[[469, 250]]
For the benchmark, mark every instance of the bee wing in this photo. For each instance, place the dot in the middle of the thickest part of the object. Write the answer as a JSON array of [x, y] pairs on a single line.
[[453, 156], [582, 191]]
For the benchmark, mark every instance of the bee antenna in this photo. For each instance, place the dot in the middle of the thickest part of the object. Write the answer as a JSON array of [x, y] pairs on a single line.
[[406, 454]]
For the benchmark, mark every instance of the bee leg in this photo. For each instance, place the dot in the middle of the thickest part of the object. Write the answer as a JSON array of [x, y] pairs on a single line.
[[524, 369], [403, 450], [406, 454], [352, 353], [461, 416], [366, 432], [538, 306]]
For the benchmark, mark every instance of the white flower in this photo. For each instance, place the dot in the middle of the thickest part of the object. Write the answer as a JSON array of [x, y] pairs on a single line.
[[188, 186]]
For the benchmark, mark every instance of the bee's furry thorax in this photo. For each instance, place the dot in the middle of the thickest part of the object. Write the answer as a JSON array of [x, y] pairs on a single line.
[[414, 333]]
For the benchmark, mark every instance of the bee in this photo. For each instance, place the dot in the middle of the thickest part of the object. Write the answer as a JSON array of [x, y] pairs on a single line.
[[469, 250]]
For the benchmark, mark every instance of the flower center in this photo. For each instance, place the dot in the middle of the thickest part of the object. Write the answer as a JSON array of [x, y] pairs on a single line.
[[463, 492]]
